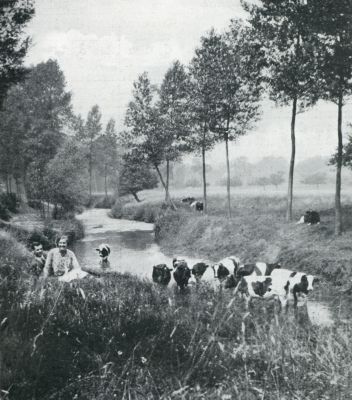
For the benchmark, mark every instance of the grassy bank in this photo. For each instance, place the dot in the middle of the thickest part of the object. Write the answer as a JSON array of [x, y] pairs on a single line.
[[256, 232], [124, 338]]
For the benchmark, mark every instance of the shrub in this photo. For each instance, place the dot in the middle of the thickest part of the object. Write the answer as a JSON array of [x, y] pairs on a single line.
[[10, 201]]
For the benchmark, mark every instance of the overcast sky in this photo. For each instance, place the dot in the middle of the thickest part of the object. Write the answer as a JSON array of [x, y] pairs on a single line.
[[103, 45]]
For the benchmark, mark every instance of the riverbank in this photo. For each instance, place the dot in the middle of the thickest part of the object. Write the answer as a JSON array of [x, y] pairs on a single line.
[[257, 231], [123, 337]]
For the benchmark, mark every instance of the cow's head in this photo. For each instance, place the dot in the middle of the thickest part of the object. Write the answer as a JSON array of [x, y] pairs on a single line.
[[182, 275], [104, 251], [199, 269], [176, 262], [220, 271], [161, 274]]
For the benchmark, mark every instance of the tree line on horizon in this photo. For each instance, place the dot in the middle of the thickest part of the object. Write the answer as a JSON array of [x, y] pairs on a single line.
[[296, 52]]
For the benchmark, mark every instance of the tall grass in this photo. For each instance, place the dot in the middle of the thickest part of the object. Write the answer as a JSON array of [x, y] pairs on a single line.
[[125, 338]]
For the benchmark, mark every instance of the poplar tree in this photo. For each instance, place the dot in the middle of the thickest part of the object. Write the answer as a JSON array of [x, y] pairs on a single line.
[[284, 29], [333, 33]]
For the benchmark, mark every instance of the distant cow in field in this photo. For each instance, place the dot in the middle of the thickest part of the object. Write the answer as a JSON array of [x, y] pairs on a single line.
[[161, 274], [197, 205], [310, 218], [188, 200]]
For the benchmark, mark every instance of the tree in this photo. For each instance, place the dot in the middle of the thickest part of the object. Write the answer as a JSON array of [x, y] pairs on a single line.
[[333, 33], [34, 116], [285, 30], [66, 181], [14, 16], [107, 153], [135, 176], [229, 67], [262, 181], [174, 115], [317, 179], [144, 134], [277, 179], [89, 134], [201, 138]]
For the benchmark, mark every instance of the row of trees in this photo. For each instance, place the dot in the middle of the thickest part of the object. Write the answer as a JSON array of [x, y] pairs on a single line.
[[297, 51]]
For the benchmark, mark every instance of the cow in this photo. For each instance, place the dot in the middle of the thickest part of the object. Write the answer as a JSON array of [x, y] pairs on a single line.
[[182, 274], [300, 283], [197, 205], [310, 217], [188, 200], [222, 269], [199, 269], [161, 274], [259, 269], [104, 252], [281, 287]]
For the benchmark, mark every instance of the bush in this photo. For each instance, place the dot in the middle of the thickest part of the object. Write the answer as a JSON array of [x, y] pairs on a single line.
[[4, 212], [10, 201]]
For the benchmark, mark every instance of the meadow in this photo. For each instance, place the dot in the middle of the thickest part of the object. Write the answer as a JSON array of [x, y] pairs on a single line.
[[123, 337]]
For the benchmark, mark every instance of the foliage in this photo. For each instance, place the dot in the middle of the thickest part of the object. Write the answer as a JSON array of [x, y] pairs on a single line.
[[32, 121], [14, 16], [66, 181], [135, 176], [173, 106], [107, 154]]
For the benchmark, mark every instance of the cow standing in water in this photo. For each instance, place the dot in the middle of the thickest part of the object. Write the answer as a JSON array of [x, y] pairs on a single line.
[[256, 269], [161, 274], [182, 273]]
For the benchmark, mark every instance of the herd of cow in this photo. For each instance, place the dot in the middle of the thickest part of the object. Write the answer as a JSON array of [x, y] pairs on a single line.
[[258, 280]]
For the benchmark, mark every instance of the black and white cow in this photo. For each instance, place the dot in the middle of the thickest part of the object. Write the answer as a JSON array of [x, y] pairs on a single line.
[[104, 252], [182, 275], [161, 274], [222, 269], [299, 284], [310, 217], [197, 205], [188, 200], [283, 288], [258, 269]]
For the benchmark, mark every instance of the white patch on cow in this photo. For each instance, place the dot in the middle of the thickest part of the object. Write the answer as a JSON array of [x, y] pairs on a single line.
[[301, 221], [261, 267]]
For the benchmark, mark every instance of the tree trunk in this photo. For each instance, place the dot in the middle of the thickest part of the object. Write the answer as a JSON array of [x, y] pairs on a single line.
[[167, 193], [90, 179], [338, 216], [105, 182], [292, 162], [204, 177], [134, 194], [228, 175], [164, 185]]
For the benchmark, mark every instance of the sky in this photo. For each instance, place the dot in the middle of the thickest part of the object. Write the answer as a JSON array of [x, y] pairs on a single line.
[[103, 45]]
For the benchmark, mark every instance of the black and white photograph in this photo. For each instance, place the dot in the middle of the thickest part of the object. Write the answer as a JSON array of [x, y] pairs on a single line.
[[175, 199]]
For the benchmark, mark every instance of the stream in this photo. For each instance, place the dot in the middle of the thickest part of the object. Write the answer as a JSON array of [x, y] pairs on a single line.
[[133, 250]]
